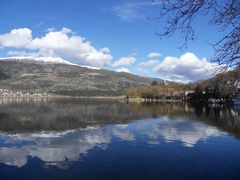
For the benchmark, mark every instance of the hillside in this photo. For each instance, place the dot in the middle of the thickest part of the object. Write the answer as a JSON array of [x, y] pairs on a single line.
[[30, 75]]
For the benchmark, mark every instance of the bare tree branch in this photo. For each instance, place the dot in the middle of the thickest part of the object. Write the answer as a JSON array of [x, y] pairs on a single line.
[[180, 14]]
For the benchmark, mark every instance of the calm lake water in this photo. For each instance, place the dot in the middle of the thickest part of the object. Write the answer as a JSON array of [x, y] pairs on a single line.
[[86, 139]]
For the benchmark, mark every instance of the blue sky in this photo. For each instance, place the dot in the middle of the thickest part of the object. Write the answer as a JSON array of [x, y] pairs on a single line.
[[109, 34]]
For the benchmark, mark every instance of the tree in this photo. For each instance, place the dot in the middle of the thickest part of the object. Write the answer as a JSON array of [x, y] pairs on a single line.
[[180, 15], [154, 83]]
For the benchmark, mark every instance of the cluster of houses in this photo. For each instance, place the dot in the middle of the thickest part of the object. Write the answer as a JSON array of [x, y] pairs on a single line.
[[9, 93]]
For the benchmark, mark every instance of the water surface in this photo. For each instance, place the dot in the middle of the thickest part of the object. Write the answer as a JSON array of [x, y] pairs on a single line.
[[86, 139]]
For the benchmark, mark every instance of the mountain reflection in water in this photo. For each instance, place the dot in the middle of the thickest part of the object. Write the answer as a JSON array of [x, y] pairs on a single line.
[[63, 131]]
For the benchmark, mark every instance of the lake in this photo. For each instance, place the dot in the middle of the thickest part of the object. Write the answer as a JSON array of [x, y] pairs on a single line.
[[100, 139]]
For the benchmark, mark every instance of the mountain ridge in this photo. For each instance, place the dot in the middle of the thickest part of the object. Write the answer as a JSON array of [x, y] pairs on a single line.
[[65, 79]]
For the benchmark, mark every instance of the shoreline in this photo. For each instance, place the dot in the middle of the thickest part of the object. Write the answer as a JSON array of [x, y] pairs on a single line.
[[63, 97], [152, 100], [119, 98]]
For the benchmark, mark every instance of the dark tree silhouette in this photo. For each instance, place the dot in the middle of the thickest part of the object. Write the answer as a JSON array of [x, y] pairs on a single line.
[[180, 14], [154, 83]]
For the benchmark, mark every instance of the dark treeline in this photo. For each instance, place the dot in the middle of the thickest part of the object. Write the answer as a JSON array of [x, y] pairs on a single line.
[[168, 90], [223, 87]]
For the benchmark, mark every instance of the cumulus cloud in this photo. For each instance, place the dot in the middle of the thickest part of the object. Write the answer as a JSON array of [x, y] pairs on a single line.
[[153, 55], [50, 29], [23, 53], [125, 61], [123, 70], [16, 38], [63, 43], [149, 63], [187, 67]]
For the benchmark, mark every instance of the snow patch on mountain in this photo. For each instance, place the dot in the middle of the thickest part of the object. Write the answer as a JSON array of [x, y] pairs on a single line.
[[51, 60]]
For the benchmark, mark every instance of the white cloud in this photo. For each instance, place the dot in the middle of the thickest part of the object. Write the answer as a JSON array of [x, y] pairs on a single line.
[[187, 67], [61, 43], [51, 60], [16, 38], [123, 70], [105, 50], [125, 61], [50, 29], [40, 24], [153, 55], [130, 11], [23, 53], [149, 63]]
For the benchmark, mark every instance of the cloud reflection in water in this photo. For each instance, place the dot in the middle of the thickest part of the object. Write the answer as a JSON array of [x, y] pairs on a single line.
[[55, 148]]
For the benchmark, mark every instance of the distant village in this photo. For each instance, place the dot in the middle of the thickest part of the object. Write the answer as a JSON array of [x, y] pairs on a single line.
[[9, 93]]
